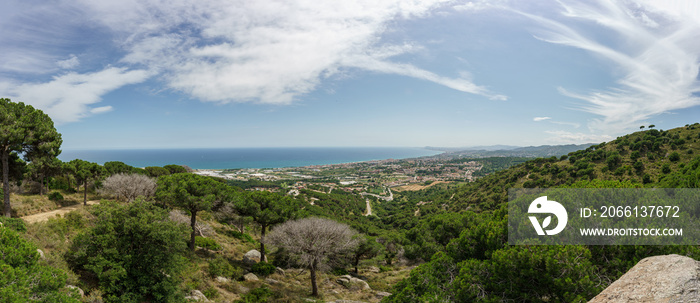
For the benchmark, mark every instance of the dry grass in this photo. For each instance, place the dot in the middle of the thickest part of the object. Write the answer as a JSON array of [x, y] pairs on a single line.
[[24, 205]]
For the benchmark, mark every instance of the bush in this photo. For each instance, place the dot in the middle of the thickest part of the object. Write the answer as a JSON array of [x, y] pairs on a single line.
[[240, 236], [15, 224], [674, 156], [258, 295], [207, 243], [134, 252], [263, 269], [55, 196], [23, 278], [220, 267]]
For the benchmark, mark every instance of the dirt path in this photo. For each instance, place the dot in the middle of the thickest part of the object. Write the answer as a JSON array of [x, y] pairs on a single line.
[[41, 217], [369, 208]]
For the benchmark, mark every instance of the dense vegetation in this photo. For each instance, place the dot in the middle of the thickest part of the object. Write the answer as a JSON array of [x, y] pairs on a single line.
[[456, 233]]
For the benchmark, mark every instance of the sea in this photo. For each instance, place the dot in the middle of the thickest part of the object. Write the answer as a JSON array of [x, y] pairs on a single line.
[[232, 158]]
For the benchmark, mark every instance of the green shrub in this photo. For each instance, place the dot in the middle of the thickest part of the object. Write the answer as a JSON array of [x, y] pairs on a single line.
[[340, 271], [674, 156], [263, 269], [258, 295], [15, 224], [207, 243], [220, 267], [240, 236], [55, 196]]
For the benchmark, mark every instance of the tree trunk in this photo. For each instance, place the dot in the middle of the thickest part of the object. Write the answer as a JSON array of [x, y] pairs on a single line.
[[357, 261], [41, 186], [314, 287], [263, 258], [193, 222], [6, 182], [85, 192]]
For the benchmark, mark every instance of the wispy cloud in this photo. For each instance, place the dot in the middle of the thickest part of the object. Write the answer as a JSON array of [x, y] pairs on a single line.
[[538, 119], [68, 98], [656, 55], [259, 51]]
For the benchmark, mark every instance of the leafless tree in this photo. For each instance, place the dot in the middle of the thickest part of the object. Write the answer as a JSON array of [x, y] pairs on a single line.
[[202, 229], [129, 186], [311, 241]]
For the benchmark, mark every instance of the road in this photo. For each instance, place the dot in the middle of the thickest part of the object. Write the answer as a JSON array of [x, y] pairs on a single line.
[[41, 217]]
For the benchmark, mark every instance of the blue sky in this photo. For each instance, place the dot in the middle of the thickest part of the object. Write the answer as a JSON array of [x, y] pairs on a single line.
[[222, 73]]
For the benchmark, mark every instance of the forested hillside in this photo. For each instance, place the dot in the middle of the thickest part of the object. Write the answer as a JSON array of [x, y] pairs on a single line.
[[469, 260]]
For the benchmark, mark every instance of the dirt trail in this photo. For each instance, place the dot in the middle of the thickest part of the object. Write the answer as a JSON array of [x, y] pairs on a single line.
[[369, 208], [41, 217]]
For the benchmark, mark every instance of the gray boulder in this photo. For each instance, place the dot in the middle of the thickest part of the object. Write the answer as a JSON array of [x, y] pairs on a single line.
[[352, 283], [251, 257], [222, 280], [670, 278], [41, 254], [250, 277], [198, 296]]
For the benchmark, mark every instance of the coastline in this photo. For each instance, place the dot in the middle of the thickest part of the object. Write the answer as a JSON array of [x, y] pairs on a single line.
[[249, 158]]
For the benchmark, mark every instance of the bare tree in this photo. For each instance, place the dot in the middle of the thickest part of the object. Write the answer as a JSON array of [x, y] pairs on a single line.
[[311, 241], [129, 186], [228, 214], [202, 229]]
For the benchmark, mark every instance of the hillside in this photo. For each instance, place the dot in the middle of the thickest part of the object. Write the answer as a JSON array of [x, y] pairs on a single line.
[[473, 263]]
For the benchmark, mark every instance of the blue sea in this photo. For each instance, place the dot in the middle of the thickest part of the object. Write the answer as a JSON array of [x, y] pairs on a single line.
[[223, 158]]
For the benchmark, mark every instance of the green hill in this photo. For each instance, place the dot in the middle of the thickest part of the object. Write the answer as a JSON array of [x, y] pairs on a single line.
[[464, 231]]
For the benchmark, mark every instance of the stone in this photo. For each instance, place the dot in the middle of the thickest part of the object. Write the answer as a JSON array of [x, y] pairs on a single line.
[[381, 294], [271, 281], [373, 269], [222, 280], [250, 277], [251, 257], [198, 296], [352, 283], [80, 291], [669, 278], [41, 254], [279, 271]]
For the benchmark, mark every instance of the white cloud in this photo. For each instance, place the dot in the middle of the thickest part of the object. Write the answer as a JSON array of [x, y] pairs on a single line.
[[68, 98], [538, 119], [656, 56], [264, 51], [69, 63]]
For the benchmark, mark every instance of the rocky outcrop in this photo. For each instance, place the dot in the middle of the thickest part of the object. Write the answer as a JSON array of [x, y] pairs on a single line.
[[667, 279], [198, 296], [352, 283], [251, 257], [250, 277]]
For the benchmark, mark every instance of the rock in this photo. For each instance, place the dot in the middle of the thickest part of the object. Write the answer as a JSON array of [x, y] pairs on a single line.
[[373, 269], [222, 280], [381, 294], [41, 254], [251, 257], [348, 301], [197, 295], [352, 283], [670, 278], [271, 281], [80, 291], [251, 277], [279, 271], [242, 289]]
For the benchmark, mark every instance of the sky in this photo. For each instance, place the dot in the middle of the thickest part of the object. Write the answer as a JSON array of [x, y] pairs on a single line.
[[138, 74]]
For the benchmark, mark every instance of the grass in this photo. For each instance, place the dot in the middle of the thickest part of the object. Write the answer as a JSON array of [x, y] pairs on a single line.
[[29, 204]]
